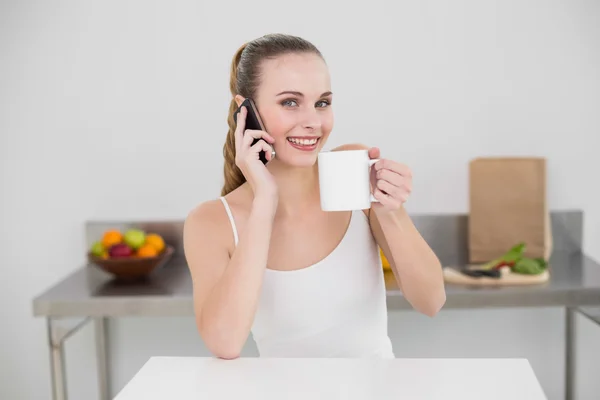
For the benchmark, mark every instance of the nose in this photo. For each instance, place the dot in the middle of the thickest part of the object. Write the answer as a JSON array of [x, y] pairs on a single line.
[[311, 119]]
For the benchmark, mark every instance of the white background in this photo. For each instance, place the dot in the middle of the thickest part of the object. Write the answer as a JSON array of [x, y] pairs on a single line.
[[117, 110]]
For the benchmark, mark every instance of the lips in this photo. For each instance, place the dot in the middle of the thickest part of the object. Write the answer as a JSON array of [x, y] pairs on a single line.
[[305, 143]]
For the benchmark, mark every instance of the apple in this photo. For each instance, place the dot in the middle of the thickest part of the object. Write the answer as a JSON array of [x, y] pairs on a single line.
[[120, 250], [134, 238], [97, 249]]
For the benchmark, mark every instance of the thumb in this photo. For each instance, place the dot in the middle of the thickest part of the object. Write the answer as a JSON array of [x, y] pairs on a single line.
[[374, 152]]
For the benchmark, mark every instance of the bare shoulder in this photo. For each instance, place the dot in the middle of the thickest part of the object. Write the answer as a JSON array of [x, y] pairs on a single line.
[[207, 230], [205, 223], [208, 213], [209, 224]]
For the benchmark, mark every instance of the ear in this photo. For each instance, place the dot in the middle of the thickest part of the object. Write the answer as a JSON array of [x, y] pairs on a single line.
[[239, 99]]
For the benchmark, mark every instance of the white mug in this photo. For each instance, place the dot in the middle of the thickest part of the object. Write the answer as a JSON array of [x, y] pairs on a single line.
[[345, 180]]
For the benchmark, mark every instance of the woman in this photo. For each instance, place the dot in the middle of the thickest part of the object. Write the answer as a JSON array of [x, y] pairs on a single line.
[[266, 260]]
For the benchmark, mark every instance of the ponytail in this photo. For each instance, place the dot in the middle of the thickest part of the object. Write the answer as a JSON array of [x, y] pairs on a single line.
[[234, 177]]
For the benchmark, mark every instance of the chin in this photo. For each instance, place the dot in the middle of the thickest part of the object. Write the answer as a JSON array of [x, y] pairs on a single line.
[[298, 161]]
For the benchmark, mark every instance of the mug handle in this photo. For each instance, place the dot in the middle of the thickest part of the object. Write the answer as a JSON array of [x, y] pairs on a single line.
[[371, 162]]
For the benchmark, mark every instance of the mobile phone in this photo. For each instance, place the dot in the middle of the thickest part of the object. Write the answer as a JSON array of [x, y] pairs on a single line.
[[254, 122]]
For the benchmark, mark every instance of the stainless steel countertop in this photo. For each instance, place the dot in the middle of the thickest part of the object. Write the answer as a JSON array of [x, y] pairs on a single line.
[[575, 281]]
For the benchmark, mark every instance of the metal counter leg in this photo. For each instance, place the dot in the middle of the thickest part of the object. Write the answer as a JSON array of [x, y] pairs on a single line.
[[57, 335], [57, 364], [101, 358], [570, 354]]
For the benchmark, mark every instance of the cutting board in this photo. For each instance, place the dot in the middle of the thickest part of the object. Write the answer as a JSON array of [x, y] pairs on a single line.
[[508, 278]]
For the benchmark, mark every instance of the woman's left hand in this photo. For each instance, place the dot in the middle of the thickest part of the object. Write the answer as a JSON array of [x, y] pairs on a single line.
[[391, 181]]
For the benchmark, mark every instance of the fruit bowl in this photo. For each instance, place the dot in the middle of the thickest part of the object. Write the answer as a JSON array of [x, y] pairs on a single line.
[[131, 268], [129, 255]]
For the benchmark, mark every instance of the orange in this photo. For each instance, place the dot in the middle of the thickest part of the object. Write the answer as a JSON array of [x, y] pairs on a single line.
[[147, 251], [384, 261], [110, 238], [156, 241]]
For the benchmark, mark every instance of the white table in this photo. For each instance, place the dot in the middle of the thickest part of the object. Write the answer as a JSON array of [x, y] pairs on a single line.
[[271, 378]]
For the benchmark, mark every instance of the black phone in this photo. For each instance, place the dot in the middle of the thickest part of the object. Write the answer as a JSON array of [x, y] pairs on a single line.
[[253, 122]]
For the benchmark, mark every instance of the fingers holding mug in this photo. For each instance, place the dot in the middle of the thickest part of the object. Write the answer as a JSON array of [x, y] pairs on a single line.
[[385, 199]]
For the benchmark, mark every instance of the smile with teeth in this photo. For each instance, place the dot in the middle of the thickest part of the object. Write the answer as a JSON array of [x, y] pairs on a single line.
[[303, 142]]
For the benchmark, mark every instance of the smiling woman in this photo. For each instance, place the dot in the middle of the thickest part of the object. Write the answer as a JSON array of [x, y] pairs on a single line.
[[266, 259]]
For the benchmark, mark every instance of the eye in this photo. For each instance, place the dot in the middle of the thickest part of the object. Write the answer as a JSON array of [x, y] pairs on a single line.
[[323, 103], [289, 103]]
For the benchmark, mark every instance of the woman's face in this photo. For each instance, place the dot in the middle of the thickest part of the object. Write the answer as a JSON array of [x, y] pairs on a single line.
[[294, 102]]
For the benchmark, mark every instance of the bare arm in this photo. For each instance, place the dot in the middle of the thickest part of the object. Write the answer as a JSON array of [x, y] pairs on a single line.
[[416, 267], [226, 290]]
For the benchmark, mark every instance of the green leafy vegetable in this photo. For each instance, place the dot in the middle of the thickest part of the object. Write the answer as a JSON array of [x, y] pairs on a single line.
[[530, 266], [510, 257], [517, 262]]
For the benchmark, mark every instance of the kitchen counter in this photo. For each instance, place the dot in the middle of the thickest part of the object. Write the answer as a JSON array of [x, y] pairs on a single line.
[[574, 281], [270, 378]]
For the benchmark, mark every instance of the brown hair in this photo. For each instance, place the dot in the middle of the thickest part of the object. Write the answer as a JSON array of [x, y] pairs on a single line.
[[245, 79]]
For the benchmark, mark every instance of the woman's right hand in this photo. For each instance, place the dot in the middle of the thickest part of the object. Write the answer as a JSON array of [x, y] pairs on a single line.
[[247, 158]]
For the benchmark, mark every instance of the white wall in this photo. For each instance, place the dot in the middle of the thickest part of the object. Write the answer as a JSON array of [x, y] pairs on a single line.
[[118, 110]]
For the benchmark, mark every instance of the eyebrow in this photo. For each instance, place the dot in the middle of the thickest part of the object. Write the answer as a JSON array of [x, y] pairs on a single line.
[[299, 94]]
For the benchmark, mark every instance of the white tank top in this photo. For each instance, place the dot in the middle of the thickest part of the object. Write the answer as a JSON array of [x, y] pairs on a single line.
[[334, 308]]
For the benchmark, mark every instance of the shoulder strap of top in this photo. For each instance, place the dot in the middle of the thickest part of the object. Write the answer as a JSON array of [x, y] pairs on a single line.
[[231, 220]]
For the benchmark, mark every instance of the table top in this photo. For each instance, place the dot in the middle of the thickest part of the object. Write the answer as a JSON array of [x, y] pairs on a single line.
[[574, 281], [592, 313], [333, 378]]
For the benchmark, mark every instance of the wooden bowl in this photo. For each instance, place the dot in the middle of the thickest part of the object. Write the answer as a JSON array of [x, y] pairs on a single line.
[[132, 268]]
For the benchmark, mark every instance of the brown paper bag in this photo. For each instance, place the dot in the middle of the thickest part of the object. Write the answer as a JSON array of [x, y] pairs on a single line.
[[508, 206]]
